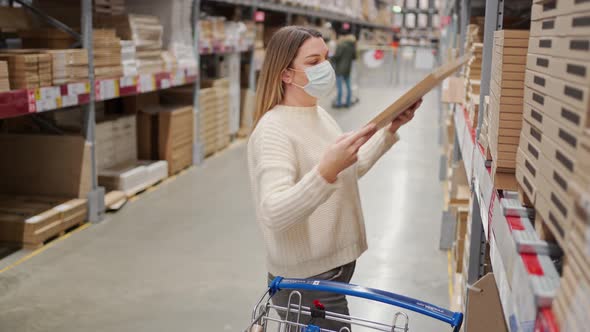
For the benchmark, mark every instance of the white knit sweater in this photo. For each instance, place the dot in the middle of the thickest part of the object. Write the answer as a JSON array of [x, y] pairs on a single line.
[[309, 225]]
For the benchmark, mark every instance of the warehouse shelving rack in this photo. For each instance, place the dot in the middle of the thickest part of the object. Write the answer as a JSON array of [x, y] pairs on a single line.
[[485, 204], [34, 101]]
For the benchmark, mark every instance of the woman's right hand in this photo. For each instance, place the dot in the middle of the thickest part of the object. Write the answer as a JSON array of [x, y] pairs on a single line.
[[343, 153]]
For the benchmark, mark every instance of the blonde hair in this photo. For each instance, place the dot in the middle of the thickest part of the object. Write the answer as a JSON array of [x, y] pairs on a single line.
[[280, 53]]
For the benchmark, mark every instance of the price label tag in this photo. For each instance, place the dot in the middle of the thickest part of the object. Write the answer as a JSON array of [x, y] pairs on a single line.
[[78, 88], [128, 81], [98, 90], [191, 71], [31, 100], [49, 93], [68, 101], [147, 83], [39, 106], [107, 89], [179, 77]]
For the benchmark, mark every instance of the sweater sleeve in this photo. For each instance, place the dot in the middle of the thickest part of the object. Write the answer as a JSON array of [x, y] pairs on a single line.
[[376, 147], [283, 199]]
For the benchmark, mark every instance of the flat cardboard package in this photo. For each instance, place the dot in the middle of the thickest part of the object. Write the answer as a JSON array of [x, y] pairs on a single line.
[[418, 91], [45, 165], [484, 307]]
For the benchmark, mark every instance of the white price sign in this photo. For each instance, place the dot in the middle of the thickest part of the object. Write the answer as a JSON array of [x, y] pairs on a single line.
[[108, 89], [46, 105], [49, 92], [147, 83], [68, 101], [165, 83], [178, 77], [128, 81], [77, 88]]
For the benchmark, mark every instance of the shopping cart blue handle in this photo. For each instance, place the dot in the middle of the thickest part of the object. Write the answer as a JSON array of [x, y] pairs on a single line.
[[455, 319]]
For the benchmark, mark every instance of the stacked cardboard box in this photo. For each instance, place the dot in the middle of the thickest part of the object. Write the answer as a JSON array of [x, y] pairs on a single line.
[[166, 130], [146, 33], [116, 142], [555, 148], [30, 221], [176, 136], [473, 44], [572, 305], [175, 16], [214, 115], [129, 58], [107, 48], [107, 54], [118, 166], [484, 129], [473, 70], [556, 113], [27, 69], [68, 66], [4, 79], [506, 104], [109, 7]]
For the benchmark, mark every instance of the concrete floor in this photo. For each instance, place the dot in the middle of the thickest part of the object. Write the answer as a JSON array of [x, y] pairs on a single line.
[[188, 256]]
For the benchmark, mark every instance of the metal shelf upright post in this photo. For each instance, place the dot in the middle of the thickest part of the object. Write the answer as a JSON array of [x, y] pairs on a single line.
[[493, 21], [198, 148], [96, 208]]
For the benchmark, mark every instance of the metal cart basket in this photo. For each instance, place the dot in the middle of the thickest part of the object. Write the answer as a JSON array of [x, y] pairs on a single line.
[[295, 312]]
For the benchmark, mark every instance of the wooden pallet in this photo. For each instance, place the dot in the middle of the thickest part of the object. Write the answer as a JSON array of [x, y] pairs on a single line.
[[135, 196], [50, 234], [30, 222]]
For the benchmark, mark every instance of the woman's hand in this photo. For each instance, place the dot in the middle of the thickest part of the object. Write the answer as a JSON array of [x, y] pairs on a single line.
[[343, 153], [405, 117]]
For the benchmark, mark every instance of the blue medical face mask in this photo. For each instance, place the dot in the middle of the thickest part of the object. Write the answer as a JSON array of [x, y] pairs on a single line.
[[321, 79]]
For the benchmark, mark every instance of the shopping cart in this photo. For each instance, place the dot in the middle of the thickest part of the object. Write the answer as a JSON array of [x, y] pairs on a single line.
[[262, 320]]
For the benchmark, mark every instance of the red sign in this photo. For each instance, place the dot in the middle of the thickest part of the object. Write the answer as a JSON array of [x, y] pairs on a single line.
[[259, 16]]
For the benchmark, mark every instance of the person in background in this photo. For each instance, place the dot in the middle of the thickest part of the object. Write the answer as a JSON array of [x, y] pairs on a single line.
[[304, 170], [342, 60]]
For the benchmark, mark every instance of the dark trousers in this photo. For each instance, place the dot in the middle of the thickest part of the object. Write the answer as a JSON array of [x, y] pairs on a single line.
[[333, 302]]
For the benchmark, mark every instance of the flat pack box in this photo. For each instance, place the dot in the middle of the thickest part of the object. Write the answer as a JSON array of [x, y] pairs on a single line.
[[577, 48], [134, 177], [551, 215], [527, 174], [45, 165], [573, 94], [530, 142], [175, 137], [575, 71], [548, 9], [565, 140]]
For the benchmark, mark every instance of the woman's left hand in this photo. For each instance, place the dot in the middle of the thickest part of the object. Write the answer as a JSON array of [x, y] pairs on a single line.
[[405, 117]]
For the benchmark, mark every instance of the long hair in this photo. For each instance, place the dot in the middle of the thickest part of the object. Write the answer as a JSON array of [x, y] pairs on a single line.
[[280, 53]]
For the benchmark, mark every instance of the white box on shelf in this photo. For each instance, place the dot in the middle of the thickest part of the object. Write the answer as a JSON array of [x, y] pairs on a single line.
[[534, 285], [513, 208]]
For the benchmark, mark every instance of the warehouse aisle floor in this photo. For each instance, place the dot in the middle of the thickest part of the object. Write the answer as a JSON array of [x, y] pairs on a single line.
[[188, 256]]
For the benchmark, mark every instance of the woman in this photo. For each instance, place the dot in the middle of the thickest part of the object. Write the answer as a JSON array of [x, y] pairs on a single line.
[[304, 171]]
